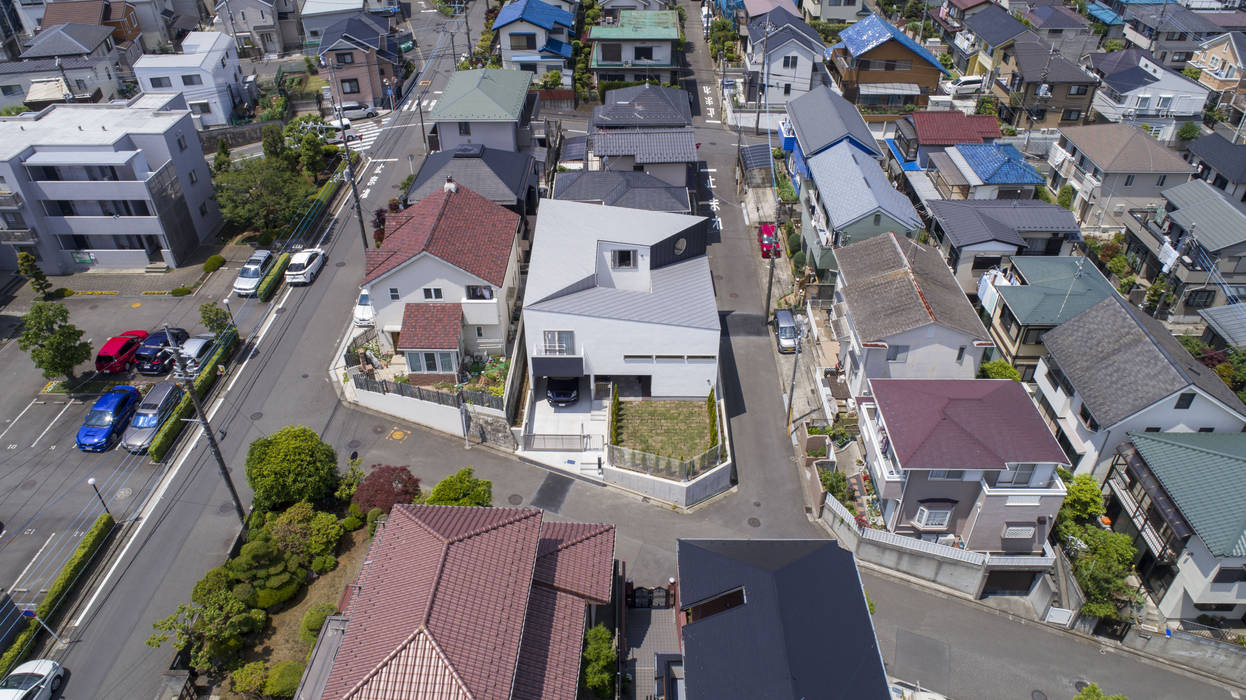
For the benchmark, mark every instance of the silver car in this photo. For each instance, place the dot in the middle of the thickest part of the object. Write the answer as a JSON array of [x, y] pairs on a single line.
[[156, 407], [196, 351], [33, 680]]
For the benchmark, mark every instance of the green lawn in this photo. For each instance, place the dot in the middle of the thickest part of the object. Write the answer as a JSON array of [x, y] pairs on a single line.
[[679, 429]]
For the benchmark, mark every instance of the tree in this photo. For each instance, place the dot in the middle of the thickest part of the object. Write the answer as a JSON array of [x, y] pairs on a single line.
[[29, 268], [1065, 197], [214, 317], [1113, 45], [1092, 692], [262, 195], [293, 464], [222, 161], [998, 369], [461, 489], [1189, 131], [1101, 570], [275, 147], [386, 486], [552, 80], [600, 661], [311, 154], [249, 679], [283, 679], [1083, 502], [211, 631], [55, 345]]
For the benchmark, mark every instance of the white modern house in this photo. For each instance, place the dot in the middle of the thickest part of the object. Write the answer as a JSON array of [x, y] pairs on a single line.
[[206, 74], [783, 57], [900, 314], [535, 36], [1112, 370], [1140, 91], [262, 26], [318, 15], [489, 106]]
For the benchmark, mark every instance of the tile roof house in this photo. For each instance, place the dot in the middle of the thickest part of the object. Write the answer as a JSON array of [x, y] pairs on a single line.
[[974, 235], [1051, 90], [783, 594], [506, 178], [881, 69], [65, 40], [900, 313], [640, 46], [645, 106], [1112, 370], [454, 249], [1172, 34], [848, 198], [118, 14], [1221, 163], [316, 16], [666, 154], [1226, 326], [366, 58], [489, 106], [791, 64], [1221, 61], [619, 188], [966, 461], [1062, 27], [818, 120], [1191, 534], [1137, 89], [467, 603], [978, 47], [536, 36], [922, 133], [983, 171]]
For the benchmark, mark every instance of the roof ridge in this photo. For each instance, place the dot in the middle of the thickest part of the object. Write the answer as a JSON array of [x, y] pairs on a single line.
[[1166, 437], [598, 529], [420, 630], [917, 287]]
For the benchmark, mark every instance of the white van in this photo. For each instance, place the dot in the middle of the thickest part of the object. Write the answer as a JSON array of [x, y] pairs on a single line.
[[965, 85], [339, 130]]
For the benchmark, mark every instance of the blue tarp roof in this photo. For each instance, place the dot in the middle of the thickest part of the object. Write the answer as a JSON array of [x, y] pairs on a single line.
[[1103, 13], [556, 47], [873, 31], [895, 152], [999, 164], [535, 12]]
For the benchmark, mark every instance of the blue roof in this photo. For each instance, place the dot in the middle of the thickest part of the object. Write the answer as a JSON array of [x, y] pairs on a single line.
[[908, 165], [873, 31], [535, 12], [556, 47], [999, 164], [1103, 13]]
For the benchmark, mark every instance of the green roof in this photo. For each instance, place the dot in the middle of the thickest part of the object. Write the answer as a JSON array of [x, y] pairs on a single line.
[[1055, 290], [1205, 474], [488, 94], [640, 24]]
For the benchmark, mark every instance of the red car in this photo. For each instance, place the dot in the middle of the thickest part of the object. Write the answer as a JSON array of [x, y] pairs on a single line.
[[117, 355], [768, 240]]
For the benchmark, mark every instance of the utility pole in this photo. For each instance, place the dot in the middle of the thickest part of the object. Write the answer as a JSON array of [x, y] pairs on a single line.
[[791, 390], [765, 74], [1042, 80], [769, 281], [350, 166], [188, 383]]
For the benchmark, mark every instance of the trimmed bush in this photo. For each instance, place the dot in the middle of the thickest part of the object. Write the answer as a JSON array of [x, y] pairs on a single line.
[[351, 523], [283, 679], [213, 263], [374, 515], [313, 620], [249, 680], [174, 424], [798, 262], [181, 291], [271, 281], [324, 563], [793, 243], [711, 407], [998, 369], [266, 598]]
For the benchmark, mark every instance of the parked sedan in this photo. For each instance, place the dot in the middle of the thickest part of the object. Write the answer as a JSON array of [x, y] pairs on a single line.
[[33, 680], [305, 266], [107, 419], [157, 406], [562, 391], [155, 356], [196, 351], [365, 315], [768, 241], [117, 354]]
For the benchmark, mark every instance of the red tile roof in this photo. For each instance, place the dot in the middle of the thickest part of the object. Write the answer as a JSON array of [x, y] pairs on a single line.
[[950, 127], [431, 326], [448, 608], [963, 423], [461, 227], [77, 12], [966, 4]]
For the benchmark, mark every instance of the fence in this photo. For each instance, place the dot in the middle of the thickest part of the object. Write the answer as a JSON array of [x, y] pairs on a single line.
[[363, 340], [665, 467], [476, 398], [548, 442]]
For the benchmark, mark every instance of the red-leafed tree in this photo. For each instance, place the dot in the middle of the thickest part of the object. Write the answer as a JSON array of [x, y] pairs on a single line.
[[385, 486]]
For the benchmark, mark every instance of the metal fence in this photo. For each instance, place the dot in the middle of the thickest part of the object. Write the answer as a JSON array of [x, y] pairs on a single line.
[[381, 386], [665, 467], [548, 442]]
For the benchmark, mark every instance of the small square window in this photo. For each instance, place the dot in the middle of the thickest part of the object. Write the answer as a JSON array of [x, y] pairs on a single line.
[[1184, 400], [480, 331], [393, 294], [1159, 182], [623, 259], [432, 293], [932, 517], [161, 82], [350, 86], [960, 354], [898, 353], [1129, 180], [203, 209], [1206, 430], [465, 128], [192, 80]]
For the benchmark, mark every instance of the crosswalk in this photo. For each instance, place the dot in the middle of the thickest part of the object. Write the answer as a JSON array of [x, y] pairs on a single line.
[[428, 103], [368, 132]]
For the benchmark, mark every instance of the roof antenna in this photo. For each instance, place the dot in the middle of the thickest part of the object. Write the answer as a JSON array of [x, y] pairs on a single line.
[[1076, 276]]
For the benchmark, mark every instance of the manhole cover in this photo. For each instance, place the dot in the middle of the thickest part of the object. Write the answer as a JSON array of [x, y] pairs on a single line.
[[340, 264], [279, 310], [1038, 695], [257, 415], [28, 484], [378, 429], [1079, 686], [305, 376], [225, 508], [757, 504], [733, 295], [514, 499], [123, 494], [754, 522]]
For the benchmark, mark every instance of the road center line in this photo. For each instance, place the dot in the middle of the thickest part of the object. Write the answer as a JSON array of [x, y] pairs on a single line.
[[58, 417], [6, 430], [32, 562]]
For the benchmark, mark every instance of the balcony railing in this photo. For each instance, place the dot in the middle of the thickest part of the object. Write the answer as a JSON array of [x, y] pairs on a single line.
[[1054, 487], [18, 235], [10, 200], [1129, 506], [558, 349]]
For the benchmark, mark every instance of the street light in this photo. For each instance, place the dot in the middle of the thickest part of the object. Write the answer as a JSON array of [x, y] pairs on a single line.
[[98, 495], [229, 311]]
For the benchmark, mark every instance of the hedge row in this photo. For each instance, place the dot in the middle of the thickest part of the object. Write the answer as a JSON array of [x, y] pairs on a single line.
[[64, 584], [173, 425], [269, 284]]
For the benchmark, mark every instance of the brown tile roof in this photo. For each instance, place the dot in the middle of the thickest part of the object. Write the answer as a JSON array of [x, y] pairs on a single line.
[[77, 12], [963, 423], [966, 4], [1122, 148], [448, 607], [947, 128], [462, 228], [430, 326]]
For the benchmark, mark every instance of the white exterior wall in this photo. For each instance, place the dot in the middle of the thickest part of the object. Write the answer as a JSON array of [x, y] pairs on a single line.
[[543, 63], [500, 135], [218, 87], [799, 78], [1195, 570], [835, 11], [964, 272], [81, 80], [671, 173], [932, 355]]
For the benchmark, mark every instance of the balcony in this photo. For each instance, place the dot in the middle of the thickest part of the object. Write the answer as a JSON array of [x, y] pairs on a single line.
[[1053, 488], [10, 200], [481, 312], [1057, 157], [887, 476], [20, 236]]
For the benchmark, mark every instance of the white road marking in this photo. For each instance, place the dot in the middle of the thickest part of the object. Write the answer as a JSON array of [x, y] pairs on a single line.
[[712, 121], [364, 194], [436, 92], [384, 160], [58, 416], [709, 170], [6, 430], [432, 104], [32, 561]]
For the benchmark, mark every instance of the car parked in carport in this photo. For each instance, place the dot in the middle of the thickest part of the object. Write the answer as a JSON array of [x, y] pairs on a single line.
[[117, 353], [106, 420], [155, 355], [562, 391]]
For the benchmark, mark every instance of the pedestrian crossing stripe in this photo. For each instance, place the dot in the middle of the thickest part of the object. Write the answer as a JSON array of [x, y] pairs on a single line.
[[368, 134]]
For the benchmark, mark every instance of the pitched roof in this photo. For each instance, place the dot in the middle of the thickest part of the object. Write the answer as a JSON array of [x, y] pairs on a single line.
[[970, 221], [966, 4], [994, 25], [999, 164], [643, 105], [1228, 321], [1229, 20], [77, 12], [757, 155], [430, 327], [893, 284], [1205, 475], [31, 66], [1055, 289], [873, 31], [486, 94], [1171, 17], [621, 188], [783, 26], [646, 145], [1216, 222], [1034, 56], [1118, 148], [361, 31], [462, 228], [324, 7], [1055, 17], [855, 186], [822, 117], [1120, 361], [448, 606], [639, 24], [67, 40], [541, 14], [753, 8], [793, 591], [1103, 13], [950, 127], [1109, 63], [1227, 158], [963, 423], [497, 175]]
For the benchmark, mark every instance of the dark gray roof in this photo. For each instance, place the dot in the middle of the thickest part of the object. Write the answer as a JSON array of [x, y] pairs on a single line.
[[1228, 321], [40, 65], [1034, 55], [1121, 69], [1217, 222], [1056, 288], [573, 148], [1227, 158], [621, 188], [783, 27], [643, 105], [499, 176], [994, 25], [854, 186], [1121, 361], [757, 155], [893, 284], [1171, 18], [1056, 17], [821, 118], [776, 643], [970, 221], [361, 31], [646, 145], [67, 40]]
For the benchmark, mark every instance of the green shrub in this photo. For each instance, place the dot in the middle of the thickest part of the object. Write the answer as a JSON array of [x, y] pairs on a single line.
[[324, 563], [213, 263], [174, 424], [283, 679], [351, 523], [1065, 197], [374, 515], [600, 661], [249, 679], [998, 369], [246, 593], [353, 509], [816, 452], [793, 243], [1127, 284], [266, 598], [1119, 266], [711, 407], [616, 409], [313, 620], [181, 291], [798, 262], [271, 281]]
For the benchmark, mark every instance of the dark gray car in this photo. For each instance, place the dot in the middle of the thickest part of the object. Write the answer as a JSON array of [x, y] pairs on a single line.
[[155, 408]]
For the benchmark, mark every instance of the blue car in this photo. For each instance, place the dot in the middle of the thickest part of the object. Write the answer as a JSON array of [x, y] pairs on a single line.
[[108, 419]]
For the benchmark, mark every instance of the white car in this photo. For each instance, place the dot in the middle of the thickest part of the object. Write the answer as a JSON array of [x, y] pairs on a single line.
[[965, 85], [33, 680], [357, 110], [904, 690], [365, 315], [305, 266], [252, 273]]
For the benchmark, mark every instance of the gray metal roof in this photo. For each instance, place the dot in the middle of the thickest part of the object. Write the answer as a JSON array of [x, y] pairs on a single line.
[[44, 65], [1228, 321], [821, 117], [783, 27], [1121, 361], [499, 176], [1124, 148], [487, 94], [1215, 221], [893, 284], [1227, 158], [679, 295], [854, 186], [646, 145], [971, 221], [1172, 18], [994, 25], [70, 39], [643, 106], [1034, 56], [1056, 289], [621, 188], [775, 644]]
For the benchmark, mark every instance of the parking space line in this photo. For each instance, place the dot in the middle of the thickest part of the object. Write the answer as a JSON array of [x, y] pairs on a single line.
[[14, 588], [58, 416], [6, 430]]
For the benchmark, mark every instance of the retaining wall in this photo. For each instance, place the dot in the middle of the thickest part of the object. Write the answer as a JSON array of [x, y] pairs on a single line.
[[1220, 658]]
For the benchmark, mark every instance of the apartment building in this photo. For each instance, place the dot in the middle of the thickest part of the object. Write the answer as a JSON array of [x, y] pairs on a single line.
[[206, 74]]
